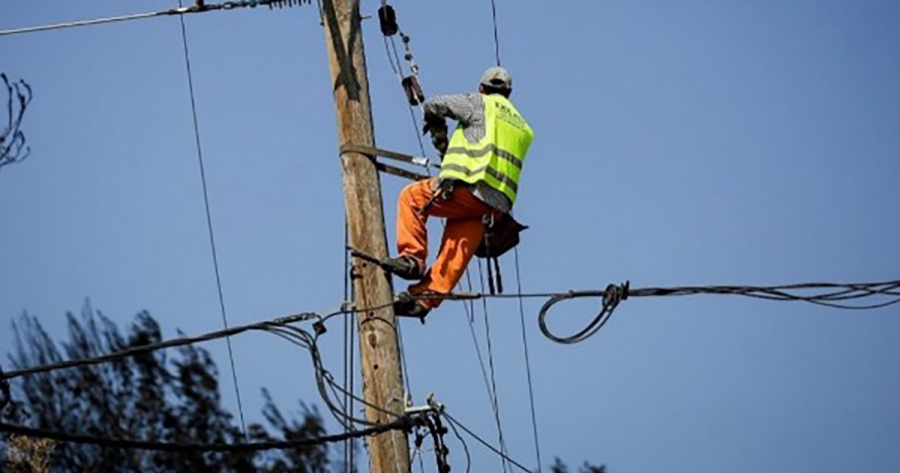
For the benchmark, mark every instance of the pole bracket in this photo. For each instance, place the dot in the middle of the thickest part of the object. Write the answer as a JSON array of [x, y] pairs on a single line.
[[373, 153]]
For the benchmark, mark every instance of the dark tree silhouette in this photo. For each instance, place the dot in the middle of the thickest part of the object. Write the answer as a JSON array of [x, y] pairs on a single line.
[[560, 467], [12, 139], [159, 396]]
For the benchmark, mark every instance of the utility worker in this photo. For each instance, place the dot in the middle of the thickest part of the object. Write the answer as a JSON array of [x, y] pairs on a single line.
[[479, 177]]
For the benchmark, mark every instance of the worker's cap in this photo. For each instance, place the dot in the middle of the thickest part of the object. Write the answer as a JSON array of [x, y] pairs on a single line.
[[497, 77]]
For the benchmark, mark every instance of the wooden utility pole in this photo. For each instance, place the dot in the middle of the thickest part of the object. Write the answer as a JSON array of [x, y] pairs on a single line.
[[381, 374]]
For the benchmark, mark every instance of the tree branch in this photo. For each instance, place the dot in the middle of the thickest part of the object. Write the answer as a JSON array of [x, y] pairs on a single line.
[[12, 140]]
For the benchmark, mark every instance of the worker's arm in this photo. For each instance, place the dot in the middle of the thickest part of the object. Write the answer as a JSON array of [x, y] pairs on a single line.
[[459, 107]]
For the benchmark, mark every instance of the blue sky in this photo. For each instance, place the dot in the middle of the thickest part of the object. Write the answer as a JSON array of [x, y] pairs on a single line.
[[695, 142]]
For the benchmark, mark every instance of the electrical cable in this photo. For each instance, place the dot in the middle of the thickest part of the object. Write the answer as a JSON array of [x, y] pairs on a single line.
[[831, 295], [71, 24], [827, 292], [324, 379], [401, 424], [487, 331], [480, 440], [496, 34], [173, 343], [348, 345], [537, 447], [181, 11], [209, 225], [470, 315], [465, 447], [398, 71], [352, 376]]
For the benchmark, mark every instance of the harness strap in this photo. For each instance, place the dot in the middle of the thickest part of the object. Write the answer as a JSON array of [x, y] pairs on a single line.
[[495, 284]]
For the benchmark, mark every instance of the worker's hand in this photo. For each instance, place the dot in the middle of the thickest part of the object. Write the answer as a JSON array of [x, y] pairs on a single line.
[[437, 126], [433, 122], [439, 140]]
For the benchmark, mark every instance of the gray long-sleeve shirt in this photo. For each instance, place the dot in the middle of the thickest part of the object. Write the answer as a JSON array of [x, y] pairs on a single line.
[[468, 110]]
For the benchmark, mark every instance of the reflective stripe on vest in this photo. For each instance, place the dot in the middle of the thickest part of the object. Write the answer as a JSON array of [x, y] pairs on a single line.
[[498, 158]]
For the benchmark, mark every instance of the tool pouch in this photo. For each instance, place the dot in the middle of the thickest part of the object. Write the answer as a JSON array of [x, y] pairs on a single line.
[[501, 234]]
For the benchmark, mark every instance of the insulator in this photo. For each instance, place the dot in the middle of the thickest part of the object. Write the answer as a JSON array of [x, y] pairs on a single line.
[[287, 3], [413, 90], [388, 19]]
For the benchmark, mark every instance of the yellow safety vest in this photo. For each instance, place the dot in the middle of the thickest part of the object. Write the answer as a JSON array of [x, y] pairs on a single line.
[[498, 158]]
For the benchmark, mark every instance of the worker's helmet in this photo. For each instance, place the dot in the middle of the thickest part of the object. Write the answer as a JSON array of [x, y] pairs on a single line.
[[497, 78]]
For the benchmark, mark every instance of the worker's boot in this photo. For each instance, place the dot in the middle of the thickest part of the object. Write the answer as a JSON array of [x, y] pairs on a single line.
[[407, 306], [405, 267]]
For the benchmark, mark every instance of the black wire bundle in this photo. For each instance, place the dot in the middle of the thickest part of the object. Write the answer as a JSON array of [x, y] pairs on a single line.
[[403, 423], [330, 391], [327, 386], [175, 342], [834, 295]]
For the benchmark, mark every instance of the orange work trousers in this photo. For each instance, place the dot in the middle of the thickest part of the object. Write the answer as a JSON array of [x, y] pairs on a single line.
[[462, 234]]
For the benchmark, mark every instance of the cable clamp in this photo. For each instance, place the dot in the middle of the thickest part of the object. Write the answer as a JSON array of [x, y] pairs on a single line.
[[616, 293], [430, 406]]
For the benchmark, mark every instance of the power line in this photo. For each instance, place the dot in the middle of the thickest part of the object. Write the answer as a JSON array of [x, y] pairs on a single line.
[[832, 295], [181, 10], [828, 293], [470, 317], [485, 443], [173, 343], [490, 351], [496, 34], [537, 446], [465, 447], [349, 330], [390, 47], [324, 379], [209, 225], [71, 24], [105, 442]]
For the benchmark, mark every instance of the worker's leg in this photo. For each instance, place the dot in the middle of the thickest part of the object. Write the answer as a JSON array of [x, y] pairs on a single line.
[[412, 232], [461, 238]]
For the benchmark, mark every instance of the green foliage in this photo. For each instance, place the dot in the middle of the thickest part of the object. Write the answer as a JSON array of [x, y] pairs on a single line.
[[160, 396]]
